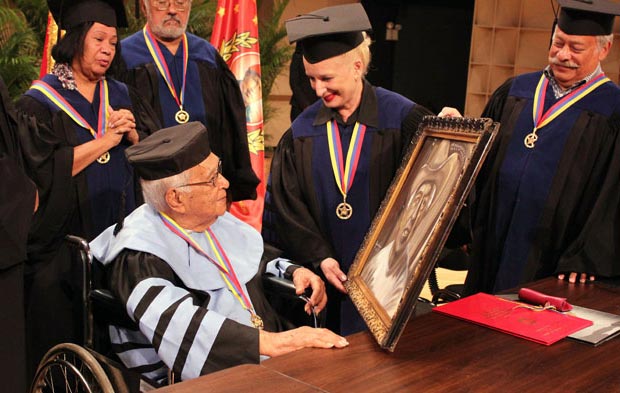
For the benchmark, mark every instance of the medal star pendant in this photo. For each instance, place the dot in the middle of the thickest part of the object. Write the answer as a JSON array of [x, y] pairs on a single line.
[[181, 116], [344, 211], [530, 140], [104, 158], [257, 321]]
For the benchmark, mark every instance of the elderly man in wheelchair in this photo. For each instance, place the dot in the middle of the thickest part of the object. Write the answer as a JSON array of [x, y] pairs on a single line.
[[190, 277], [189, 273]]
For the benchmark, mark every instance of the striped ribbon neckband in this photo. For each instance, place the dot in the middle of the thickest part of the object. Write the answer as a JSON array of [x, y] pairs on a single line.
[[221, 262], [104, 104], [344, 171], [542, 119], [181, 115]]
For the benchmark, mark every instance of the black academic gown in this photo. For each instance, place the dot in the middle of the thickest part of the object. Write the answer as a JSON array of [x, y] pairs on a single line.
[[300, 205], [212, 96], [17, 201], [575, 229], [235, 344], [303, 93]]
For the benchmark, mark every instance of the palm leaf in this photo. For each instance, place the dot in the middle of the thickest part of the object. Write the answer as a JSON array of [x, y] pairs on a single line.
[[19, 50]]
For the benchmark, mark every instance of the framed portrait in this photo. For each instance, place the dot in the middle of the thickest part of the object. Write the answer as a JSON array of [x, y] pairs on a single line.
[[415, 218]]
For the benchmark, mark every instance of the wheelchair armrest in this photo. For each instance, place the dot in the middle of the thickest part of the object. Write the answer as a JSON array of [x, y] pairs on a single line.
[[445, 295], [282, 286], [108, 309]]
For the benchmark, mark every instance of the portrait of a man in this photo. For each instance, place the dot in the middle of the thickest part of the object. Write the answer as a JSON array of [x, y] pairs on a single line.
[[396, 253], [251, 92]]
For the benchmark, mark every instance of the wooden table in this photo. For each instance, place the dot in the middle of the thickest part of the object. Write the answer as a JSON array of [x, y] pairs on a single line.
[[437, 353]]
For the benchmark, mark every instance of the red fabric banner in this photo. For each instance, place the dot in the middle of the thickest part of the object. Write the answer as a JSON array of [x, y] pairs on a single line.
[[235, 35], [51, 36]]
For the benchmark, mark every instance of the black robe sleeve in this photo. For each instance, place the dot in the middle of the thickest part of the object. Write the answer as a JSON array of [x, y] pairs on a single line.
[[495, 105], [586, 226], [147, 121], [48, 161], [17, 201], [229, 137], [298, 233]]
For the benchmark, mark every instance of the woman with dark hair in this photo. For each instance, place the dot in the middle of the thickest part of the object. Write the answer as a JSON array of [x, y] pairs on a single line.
[[93, 122]]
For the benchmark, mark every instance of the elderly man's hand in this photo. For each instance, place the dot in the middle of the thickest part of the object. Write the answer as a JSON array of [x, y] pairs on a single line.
[[276, 344], [304, 278], [333, 274], [572, 277]]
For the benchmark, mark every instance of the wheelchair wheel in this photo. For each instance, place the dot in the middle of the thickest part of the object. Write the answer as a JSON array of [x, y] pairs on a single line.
[[70, 368]]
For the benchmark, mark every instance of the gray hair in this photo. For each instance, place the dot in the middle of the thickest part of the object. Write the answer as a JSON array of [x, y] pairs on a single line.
[[154, 191], [603, 40]]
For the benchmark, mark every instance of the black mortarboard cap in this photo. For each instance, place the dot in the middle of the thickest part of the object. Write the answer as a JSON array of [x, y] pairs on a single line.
[[328, 32], [587, 17], [71, 13], [170, 151]]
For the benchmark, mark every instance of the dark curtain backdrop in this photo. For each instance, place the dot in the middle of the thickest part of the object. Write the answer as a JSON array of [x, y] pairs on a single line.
[[429, 62]]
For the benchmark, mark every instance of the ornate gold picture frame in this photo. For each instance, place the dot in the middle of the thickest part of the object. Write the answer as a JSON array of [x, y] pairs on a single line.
[[415, 218]]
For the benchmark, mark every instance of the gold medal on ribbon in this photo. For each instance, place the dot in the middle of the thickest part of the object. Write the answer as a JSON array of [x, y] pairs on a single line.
[[257, 321], [344, 170], [344, 211], [541, 118], [104, 158], [530, 139], [181, 116]]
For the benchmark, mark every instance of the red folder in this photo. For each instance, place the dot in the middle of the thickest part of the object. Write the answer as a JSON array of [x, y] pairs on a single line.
[[518, 319]]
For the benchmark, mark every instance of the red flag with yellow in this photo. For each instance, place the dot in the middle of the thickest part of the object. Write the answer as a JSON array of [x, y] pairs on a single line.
[[51, 37], [235, 35]]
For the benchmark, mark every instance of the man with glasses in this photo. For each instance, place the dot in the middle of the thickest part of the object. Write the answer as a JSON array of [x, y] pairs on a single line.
[[189, 273], [547, 195], [184, 78]]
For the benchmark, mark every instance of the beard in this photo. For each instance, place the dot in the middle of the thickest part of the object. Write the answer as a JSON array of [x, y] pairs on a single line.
[[169, 33]]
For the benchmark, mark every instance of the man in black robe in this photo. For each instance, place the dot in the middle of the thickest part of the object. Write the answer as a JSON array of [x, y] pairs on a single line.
[[184, 78], [547, 195], [17, 204], [189, 273]]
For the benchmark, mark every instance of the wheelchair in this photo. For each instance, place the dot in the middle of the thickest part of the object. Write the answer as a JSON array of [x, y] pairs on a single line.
[[69, 367]]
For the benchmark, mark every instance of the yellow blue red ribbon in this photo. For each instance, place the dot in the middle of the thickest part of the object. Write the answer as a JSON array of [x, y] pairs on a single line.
[[222, 264], [54, 96], [344, 171], [162, 66], [541, 119]]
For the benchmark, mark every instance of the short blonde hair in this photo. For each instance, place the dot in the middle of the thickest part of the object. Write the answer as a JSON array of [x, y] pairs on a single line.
[[363, 51]]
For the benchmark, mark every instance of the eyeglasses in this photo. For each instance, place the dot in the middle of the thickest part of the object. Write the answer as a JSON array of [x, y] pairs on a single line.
[[211, 182], [163, 5]]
